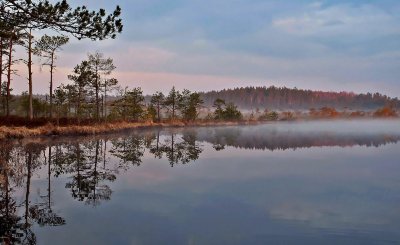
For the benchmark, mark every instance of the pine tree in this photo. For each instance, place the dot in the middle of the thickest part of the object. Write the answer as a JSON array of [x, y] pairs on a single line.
[[81, 77], [171, 102], [157, 101], [100, 67], [47, 47], [42, 14]]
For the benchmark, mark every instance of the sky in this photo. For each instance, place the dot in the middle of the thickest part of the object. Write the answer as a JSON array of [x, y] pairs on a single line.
[[205, 45]]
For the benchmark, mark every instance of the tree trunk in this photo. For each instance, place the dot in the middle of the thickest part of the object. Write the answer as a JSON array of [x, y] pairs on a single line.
[[105, 101], [97, 95], [158, 111], [1, 74], [9, 77], [30, 74], [58, 115], [28, 185], [51, 84], [173, 110], [79, 107], [102, 106], [49, 176]]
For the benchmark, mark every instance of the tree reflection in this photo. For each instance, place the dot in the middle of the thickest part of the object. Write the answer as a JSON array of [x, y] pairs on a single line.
[[90, 165], [87, 168], [128, 150], [11, 226], [42, 212], [183, 149], [17, 165], [88, 177]]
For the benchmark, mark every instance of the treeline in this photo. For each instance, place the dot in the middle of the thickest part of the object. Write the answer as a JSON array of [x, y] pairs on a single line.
[[286, 98], [85, 97]]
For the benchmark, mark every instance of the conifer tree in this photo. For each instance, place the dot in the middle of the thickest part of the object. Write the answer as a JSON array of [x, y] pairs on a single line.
[[46, 47], [80, 22]]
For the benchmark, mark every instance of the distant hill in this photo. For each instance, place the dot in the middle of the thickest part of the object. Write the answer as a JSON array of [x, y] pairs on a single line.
[[286, 98]]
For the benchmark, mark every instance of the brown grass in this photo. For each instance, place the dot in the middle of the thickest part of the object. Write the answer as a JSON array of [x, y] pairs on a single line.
[[50, 129], [85, 130]]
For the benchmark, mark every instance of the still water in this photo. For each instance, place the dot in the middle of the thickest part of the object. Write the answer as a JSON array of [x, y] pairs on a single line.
[[319, 182]]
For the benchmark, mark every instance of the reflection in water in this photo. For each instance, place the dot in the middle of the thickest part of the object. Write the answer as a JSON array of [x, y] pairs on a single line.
[[90, 171], [42, 212]]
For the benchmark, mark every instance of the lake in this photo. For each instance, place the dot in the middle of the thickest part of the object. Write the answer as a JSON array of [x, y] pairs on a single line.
[[320, 182]]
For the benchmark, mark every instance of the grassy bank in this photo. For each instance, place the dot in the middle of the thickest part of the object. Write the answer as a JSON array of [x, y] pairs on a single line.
[[12, 132], [19, 127]]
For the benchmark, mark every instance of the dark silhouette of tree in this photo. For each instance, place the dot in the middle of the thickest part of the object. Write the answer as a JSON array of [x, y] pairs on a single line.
[[131, 105], [81, 77], [171, 102], [129, 150], [156, 148], [181, 150], [108, 84], [225, 111], [100, 67], [42, 14], [46, 47], [79, 22], [43, 213], [11, 227], [189, 104], [87, 180], [9, 37], [157, 101]]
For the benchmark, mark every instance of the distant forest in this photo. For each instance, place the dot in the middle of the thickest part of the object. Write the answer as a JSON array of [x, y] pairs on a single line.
[[287, 98]]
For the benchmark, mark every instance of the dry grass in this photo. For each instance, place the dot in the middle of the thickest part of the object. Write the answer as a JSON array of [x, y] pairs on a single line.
[[50, 129], [75, 130]]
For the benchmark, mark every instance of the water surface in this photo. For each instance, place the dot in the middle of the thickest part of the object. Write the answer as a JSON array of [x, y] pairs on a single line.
[[319, 182]]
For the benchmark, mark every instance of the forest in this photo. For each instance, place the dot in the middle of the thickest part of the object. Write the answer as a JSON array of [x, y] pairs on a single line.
[[282, 98]]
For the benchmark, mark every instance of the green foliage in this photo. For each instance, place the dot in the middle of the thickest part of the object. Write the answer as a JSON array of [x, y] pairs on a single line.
[[171, 102], [131, 105], [226, 111], [219, 111], [39, 106], [157, 102], [100, 67], [231, 112], [81, 77], [151, 112], [61, 17], [269, 116], [47, 46], [61, 99], [189, 104], [3, 94]]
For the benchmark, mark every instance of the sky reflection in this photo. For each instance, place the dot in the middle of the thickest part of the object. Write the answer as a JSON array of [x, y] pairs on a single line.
[[336, 188]]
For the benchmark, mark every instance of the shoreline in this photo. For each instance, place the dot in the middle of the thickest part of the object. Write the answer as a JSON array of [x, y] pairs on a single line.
[[50, 130]]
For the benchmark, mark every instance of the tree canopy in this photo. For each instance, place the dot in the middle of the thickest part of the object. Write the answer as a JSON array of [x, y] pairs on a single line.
[[79, 22]]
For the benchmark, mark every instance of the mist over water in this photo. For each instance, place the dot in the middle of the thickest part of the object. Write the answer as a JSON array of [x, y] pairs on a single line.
[[319, 182]]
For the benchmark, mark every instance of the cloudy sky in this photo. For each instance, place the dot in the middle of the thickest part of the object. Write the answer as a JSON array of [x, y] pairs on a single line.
[[203, 45]]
